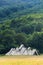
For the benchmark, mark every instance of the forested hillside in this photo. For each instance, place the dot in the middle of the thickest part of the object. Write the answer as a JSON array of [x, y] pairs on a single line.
[[27, 30], [15, 8], [21, 22]]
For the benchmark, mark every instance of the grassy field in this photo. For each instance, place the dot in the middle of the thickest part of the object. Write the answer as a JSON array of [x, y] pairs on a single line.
[[21, 60]]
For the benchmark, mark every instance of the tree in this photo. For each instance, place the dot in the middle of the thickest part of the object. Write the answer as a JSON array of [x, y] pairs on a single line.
[[36, 41], [7, 40], [21, 38]]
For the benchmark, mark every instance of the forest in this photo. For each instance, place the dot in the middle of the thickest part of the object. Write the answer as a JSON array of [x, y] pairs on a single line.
[[21, 23]]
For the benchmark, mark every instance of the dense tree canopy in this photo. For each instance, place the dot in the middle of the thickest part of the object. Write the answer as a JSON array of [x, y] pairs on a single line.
[[27, 30]]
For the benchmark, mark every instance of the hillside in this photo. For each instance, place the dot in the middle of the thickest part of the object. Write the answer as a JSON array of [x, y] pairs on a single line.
[[15, 8], [27, 30], [21, 22]]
